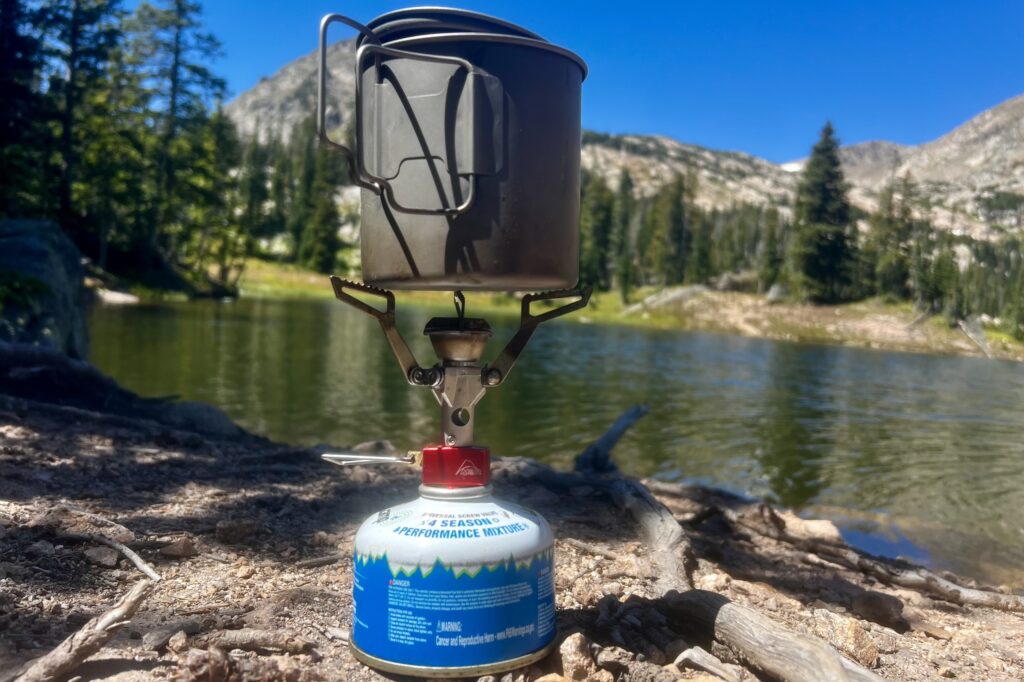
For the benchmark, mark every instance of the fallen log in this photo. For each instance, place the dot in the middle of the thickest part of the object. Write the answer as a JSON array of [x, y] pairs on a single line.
[[70, 653], [759, 641], [763, 520], [597, 457], [756, 639], [665, 538]]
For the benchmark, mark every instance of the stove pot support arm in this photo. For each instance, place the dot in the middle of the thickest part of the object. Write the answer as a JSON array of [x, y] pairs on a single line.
[[496, 372], [414, 373]]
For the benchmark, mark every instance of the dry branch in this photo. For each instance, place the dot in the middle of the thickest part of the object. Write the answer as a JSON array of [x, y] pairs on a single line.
[[73, 523], [139, 562], [668, 544], [249, 639], [591, 549], [698, 658], [597, 458], [70, 653], [763, 520], [318, 561]]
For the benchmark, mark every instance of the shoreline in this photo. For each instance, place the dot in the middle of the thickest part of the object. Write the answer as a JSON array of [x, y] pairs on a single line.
[[871, 324]]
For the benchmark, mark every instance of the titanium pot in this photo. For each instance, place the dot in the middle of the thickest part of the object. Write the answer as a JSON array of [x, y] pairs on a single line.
[[467, 150]]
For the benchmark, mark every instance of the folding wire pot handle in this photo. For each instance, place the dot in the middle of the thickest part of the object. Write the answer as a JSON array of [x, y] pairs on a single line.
[[357, 166]]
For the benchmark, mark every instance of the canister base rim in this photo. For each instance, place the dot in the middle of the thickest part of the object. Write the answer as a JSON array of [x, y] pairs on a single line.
[[451, 671]]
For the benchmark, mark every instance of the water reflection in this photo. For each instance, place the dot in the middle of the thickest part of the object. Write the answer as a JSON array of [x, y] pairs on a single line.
[[901, 448]]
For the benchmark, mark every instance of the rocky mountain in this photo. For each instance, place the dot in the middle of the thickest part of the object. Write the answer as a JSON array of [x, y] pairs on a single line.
[[959, 173], [276, 105]]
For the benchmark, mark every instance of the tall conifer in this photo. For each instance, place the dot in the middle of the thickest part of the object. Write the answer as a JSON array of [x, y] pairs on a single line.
[[822, 246]]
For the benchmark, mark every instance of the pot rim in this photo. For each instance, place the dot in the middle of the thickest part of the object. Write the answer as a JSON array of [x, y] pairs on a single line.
[[492, 38], [411, 13]]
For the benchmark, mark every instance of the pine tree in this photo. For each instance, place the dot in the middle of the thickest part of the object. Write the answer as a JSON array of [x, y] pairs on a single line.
[[114, 175], [173, 50], [320, 242], [770, 256], [220, 232], [651, 240], [823, 251], [596, 228], [1016, 304], [677, 232], [303, 152], [888, 247], [280, 189], [20, 129], [699, 267], [625, 207], [254, 189], [82, 35]]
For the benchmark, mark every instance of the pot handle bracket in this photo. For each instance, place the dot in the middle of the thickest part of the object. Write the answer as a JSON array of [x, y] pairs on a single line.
[[321, 97], [496, 372], [357, 167], [414, 373]]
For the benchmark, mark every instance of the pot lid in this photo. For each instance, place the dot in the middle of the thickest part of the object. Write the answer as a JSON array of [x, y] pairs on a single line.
[[419, 21]]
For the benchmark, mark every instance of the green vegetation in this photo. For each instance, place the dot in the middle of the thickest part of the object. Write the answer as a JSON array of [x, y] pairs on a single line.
[[111, 124], [819, 256]]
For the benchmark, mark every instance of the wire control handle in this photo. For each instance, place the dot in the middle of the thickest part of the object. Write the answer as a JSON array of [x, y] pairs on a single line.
[[353, 458]]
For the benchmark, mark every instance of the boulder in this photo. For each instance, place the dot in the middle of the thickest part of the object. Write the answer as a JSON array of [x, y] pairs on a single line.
[[880, 608], [42, 298], [777, 293], [736, 281]]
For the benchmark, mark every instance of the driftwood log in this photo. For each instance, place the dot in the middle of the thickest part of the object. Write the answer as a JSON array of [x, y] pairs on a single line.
[[756, 639], [763, 520], [70, 653], [665, 537]]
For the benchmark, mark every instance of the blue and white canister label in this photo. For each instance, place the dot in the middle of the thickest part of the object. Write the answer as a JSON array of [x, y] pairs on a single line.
[[454, 616]]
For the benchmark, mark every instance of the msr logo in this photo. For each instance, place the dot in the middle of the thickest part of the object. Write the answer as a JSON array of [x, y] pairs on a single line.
[[467, 468]]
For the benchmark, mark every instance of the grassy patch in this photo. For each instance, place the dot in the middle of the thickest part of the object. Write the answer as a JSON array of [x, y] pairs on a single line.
[[266, 279]]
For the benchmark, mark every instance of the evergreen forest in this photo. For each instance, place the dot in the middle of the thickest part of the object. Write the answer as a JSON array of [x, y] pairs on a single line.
[[112, 125]]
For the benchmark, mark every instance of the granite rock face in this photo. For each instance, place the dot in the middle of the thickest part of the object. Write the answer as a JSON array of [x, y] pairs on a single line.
[[42, 298]]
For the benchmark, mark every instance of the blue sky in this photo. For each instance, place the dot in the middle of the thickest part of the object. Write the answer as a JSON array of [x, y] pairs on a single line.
[[759, 76]]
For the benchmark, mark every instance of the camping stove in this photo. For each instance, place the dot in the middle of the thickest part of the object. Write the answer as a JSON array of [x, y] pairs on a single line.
[[455, 583], [465, 144]]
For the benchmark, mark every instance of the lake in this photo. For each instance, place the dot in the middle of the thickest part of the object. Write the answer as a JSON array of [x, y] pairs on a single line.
[[913, 455]]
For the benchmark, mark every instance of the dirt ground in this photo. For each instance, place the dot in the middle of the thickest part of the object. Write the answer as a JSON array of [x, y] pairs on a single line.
[[226, 522]]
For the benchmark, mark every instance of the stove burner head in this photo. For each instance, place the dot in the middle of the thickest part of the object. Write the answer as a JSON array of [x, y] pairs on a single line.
[[458, 339]]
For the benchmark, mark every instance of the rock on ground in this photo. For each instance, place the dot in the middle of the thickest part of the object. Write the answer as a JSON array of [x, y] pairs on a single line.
[[42, 299]]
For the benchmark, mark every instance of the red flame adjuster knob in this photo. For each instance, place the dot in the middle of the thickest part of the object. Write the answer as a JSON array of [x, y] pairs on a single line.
[[456, 466]]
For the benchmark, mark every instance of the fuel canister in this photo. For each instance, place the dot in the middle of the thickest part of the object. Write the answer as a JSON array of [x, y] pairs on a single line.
[[455, 583]]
